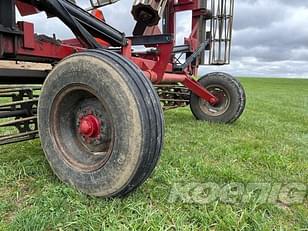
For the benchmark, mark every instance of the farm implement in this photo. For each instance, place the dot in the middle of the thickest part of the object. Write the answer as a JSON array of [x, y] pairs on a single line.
[[98, 109]]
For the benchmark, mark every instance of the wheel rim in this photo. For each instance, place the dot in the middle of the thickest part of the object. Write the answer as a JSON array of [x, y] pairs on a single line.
[[219, 108], [82, 128]]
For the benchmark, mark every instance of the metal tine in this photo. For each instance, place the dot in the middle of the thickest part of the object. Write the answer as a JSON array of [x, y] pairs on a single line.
[[6, 86], [175, 100], [14, 122], [10, 113], [169, 85], [19, 102], [9, 90], [6, 95], [18, 137], [174, 92]]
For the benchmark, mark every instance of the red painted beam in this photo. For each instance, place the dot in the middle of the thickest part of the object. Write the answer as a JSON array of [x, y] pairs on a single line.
[[199, 90], [26, 9]]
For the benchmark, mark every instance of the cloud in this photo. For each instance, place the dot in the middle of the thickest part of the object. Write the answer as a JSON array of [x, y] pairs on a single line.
[[270, 38]]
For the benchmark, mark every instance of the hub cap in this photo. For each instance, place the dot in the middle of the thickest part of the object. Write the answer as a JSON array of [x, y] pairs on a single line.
[[219, 107], [82, 127], [89, 126]]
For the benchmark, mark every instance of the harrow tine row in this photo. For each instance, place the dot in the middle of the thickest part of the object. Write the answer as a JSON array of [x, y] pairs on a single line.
[[172, 92], [23, 107], [173, 96], [20, 103], [175, 100]]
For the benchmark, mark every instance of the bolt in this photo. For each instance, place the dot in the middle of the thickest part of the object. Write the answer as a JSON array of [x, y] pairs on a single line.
[[96, 141], [99, 138]]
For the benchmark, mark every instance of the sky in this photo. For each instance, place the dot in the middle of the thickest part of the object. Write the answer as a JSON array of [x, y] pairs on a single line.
[[270, 37]]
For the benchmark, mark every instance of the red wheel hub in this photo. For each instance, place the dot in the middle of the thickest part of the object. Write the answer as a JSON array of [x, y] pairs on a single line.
[[214, 101], [89, 126]]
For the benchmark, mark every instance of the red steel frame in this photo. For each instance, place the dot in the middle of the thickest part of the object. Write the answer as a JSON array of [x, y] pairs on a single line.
[[157, 67]]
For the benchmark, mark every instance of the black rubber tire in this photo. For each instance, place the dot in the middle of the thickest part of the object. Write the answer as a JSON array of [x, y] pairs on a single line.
[[136, 114], [235, 92]]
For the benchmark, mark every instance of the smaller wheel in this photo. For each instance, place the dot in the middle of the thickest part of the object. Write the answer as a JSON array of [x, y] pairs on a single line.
[[231, 99]]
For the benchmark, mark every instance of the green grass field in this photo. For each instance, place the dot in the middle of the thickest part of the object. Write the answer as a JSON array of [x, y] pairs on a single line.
[[269, 144]]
